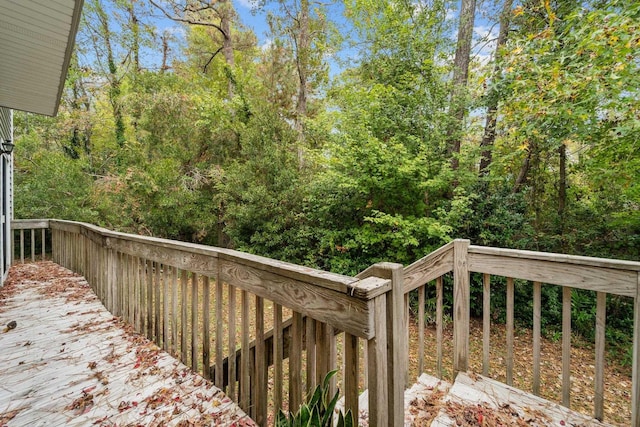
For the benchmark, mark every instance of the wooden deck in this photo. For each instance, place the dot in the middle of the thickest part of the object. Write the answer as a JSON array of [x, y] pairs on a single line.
[[69, 362], [473, 400]]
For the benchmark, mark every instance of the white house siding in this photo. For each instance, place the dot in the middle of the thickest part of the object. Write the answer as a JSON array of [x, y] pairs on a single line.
[[6, 193]]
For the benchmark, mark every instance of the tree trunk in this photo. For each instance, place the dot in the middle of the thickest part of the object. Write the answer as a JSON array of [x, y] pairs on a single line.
[[562, 186], [524, 171], [227, 44], [460, 77], [302, 63], [492, 106], [114, 82], [165, 52], [135, 33]]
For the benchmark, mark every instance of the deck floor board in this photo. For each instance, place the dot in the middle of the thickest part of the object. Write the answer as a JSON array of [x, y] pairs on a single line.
[[70, 362]]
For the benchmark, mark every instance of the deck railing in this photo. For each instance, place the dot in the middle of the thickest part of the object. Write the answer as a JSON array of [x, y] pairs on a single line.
[[260, 321], [264, 331], [458, 259]]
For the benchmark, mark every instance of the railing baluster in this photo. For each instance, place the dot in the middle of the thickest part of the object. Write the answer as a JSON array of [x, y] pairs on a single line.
[[421, 291], [44, 244], [322, 355], [194, 321], [566, 346], [166, 286], [157, 320], [278, 355], [601, 312], [183, 321], [510, 303], [174, 311], [245, 380], [22, 246], [537, 316], [486, 322], [439, 324], [233, 369], [311, 354], [260, 387], [137, 295], [295, 363], [33, 245], [219, 379], [635, 375], [351, 374], [206, 327]]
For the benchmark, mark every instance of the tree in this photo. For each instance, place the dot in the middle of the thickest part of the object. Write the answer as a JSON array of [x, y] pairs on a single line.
[[302, 28], [493, 95], [460, 77], [216, 15], [98, 24], [572, 95]]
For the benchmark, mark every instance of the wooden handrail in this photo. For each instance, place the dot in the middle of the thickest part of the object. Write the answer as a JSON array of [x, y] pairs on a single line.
[[603, 276], [159, 286], [371, 306]]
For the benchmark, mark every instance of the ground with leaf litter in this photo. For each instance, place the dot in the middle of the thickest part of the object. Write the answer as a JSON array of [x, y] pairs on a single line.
[[68, 361], [617, 396]]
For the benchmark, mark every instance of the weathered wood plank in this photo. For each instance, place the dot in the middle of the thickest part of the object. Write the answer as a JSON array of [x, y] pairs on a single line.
[[566, 346], [260, 387], [43, 241], [33, 245], [439, 325], [219, 377], [461, 304], [486, 322], [429, 268], [351, 374], [184, 306], [295, 363], [278, 355], [178, 257], [26, 224], [157, 319], [245, 362], [377, 367], [206, 327], [294, 272], [601, 312], [329, 306], [311, 354], [635, 375], [64, 378], [233, 371], [555, 257], [174, 311], [476, 389], [194, 322], [166, 287], [509, 329], [558, 271], [537, 316], [421, 320]]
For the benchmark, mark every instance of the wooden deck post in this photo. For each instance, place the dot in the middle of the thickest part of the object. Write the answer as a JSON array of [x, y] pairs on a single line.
[[635, 387], [461, 297], [394, 364]]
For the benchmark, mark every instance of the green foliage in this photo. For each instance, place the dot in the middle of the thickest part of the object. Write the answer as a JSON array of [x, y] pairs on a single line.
[[50, 184], [364, 175], [317, 411]]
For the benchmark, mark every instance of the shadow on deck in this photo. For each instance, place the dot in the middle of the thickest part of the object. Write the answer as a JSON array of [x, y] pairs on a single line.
[[68, 361]]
